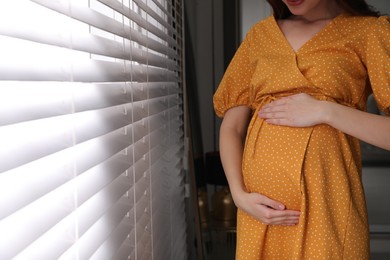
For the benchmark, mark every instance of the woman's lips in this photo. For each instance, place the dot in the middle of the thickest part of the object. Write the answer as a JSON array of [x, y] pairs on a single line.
[[294, 2]]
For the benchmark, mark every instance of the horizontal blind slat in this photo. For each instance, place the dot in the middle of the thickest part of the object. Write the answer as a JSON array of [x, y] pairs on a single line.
[[58, 170], [92, 124], [164, 9], [112, 245], [115, 120], [126, 251], [149, 90], [94, 18], [25, 101], [58, 30], [133, 16], [88, 43], [31, 251], [153, 14], [83, 71], [53, 207], [93, 229]]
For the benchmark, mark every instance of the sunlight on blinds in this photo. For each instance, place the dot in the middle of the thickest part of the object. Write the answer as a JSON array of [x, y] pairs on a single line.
[[91, 129]]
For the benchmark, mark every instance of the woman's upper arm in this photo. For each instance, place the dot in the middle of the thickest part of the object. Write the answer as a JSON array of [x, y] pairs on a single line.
[[237, 119], [378, 62]]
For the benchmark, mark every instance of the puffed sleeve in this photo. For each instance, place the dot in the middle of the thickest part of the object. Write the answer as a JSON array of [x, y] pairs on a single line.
[[378, 62], [234, 89]]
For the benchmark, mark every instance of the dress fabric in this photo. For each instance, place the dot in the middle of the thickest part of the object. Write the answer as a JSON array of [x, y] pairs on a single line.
[[316, 170]]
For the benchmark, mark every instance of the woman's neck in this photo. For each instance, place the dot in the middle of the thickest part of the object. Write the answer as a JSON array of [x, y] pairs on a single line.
[[327, 11]]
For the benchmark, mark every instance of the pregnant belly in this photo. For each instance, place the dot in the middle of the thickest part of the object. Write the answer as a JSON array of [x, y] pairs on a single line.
[[272, 162]]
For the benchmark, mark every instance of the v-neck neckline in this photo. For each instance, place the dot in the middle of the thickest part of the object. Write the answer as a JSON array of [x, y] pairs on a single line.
[[311, 39]]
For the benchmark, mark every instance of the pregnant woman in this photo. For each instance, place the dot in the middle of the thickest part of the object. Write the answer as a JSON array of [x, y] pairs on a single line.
[[293, 101]]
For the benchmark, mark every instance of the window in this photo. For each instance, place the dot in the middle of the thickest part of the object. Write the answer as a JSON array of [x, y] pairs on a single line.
[[91, 129]]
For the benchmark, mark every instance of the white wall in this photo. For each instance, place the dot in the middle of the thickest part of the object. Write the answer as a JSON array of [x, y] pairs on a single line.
[[252, 11], [382, 5], [206, 28]]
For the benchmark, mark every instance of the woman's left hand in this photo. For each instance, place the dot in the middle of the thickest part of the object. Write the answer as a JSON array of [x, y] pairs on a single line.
[[299, 110]]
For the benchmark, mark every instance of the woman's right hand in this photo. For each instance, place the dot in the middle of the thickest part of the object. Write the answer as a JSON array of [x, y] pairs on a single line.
[[268, 211]]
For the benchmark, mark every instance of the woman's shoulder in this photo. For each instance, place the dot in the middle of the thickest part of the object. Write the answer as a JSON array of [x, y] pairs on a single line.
[[380, 23], [362, 23], [357, 29], [266, 22], [262, 27]]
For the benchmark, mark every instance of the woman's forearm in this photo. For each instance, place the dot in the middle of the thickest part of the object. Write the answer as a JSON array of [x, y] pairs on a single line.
[[302, 110], [370, 128], [232, 134], [231, 150]]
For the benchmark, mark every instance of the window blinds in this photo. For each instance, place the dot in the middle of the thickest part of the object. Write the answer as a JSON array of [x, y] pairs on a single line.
[[91, 129]]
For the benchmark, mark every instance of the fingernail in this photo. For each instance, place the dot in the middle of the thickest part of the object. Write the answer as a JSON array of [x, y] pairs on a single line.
[[281, 206]]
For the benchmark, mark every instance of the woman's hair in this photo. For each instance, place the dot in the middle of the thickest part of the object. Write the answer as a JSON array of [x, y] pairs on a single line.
[[353, 7]]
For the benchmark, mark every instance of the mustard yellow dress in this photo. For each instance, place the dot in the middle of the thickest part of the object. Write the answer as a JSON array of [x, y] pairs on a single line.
[[316, 170]]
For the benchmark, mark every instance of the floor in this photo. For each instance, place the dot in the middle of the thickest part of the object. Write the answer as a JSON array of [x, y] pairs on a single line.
[[380, 247], [376, 181]]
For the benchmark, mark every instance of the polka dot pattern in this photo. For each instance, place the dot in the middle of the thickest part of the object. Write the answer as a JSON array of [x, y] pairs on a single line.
[[316, 170]]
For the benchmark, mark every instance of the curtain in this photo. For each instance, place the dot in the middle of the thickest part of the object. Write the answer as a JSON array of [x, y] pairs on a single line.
[[91, 129]]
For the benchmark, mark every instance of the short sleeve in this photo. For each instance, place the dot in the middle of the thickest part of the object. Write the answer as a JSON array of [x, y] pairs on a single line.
[[378, 62], [234, 89]]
